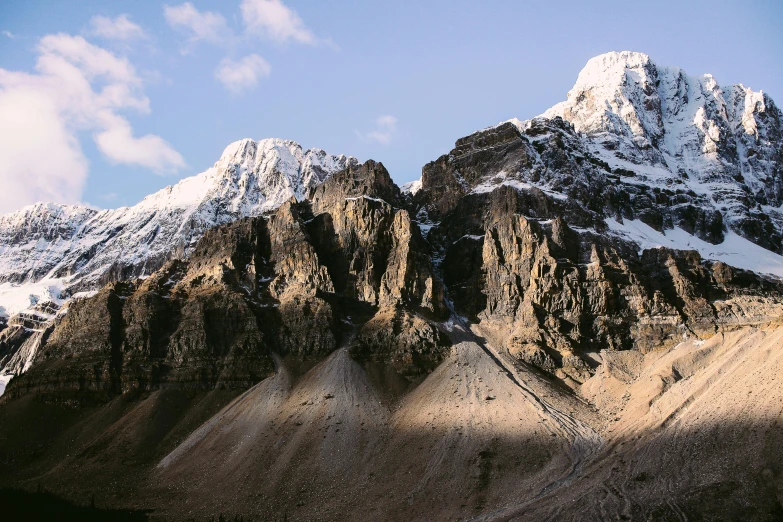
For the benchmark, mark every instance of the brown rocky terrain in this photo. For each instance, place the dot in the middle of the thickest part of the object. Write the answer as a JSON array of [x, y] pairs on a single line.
[[462, 353]]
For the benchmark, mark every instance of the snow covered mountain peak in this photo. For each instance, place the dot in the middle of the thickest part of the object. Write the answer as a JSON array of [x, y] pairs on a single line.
[[44, 218], [49, 248], [282, 167], [674, 130], [656, 155], [672, 118], [611, 67], [253, 177], [610, 86]]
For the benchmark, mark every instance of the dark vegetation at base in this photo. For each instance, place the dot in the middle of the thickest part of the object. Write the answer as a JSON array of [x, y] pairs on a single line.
[[45, 506]]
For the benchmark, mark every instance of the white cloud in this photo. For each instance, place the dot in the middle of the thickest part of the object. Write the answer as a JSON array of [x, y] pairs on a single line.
[[40, 159], [72, 58], [385, 128], [270, 19], [199, 25], [120, 28], [274, 20], [9, 34], [120, 146], [238, 76], [77, 87]]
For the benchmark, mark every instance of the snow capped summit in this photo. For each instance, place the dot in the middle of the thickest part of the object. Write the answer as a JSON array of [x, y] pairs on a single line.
[[43, 220], [616, 63], [281, 166], [650, 146], [671, 129], [253, 177], [724, 142], [608, 87], [47, 248]]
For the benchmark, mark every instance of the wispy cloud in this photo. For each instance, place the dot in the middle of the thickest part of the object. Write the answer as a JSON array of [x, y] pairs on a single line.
[[119, 28], [200, 26], [385, 129], [77, 87], [9, 34], [238, 76], [275, 21], [268, 19]]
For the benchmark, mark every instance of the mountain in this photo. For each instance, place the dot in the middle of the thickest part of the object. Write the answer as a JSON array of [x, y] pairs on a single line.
[[659, 156], [560, 320], [49, 251], [677, 131]]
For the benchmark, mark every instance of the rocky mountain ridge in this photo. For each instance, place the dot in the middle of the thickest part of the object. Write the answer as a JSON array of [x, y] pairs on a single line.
[[343, 267], [524, 334], [51, 251], [642, 143]]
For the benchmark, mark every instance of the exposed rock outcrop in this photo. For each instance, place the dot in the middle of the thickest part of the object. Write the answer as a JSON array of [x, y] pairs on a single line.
[[558, 292]]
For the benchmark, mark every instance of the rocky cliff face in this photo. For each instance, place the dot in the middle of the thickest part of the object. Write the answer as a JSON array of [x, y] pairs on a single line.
[[342, 268], [49, 252], [534, 268]]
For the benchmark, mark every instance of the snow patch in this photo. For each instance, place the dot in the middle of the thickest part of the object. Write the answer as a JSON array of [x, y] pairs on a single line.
[[469, 236], [735, 249], [4, 380], [370, 198], [500, 179], [15, 298], [412, 187], [425, 227]]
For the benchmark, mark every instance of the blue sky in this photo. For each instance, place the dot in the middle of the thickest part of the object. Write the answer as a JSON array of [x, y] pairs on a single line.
[[106, 102]]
